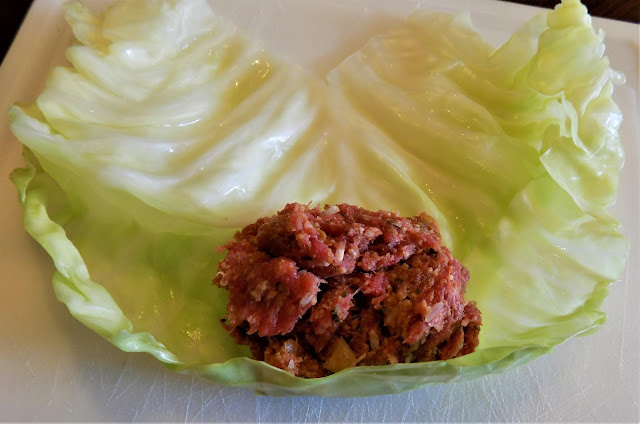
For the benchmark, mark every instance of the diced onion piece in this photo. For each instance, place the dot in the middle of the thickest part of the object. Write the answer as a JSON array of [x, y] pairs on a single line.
[[340, 356], [374, 341], [435, 309], [331, 211]]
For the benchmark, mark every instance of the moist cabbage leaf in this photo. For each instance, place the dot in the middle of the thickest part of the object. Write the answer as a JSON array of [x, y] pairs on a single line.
[[170, 131]]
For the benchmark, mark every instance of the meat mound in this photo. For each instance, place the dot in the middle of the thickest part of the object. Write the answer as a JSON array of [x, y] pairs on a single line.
[[316, 290]]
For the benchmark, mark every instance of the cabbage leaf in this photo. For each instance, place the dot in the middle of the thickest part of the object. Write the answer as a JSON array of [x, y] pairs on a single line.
[[170, 130]]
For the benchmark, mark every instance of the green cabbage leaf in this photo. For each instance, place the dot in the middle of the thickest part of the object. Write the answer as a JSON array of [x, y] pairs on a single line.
[[170, 130]]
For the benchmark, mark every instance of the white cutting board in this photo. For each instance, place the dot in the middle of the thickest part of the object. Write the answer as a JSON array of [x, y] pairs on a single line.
[[52, 368]]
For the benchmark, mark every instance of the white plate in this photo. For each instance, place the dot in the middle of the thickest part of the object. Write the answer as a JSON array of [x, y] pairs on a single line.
[[53, 368]]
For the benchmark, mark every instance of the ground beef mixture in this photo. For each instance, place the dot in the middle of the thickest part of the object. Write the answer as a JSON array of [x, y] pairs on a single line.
[[317, 290]]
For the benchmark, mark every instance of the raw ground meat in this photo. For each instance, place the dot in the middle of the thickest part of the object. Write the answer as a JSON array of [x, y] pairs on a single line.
[[317, 290]]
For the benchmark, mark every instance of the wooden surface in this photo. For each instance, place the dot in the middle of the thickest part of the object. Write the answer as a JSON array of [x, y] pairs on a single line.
[[12, 12], [623, 10]]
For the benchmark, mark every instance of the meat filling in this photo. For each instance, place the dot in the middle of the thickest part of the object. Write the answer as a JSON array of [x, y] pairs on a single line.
[[316, 290]]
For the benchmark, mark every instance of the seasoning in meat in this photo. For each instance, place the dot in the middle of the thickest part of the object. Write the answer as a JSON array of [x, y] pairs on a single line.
[[317, 290]]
